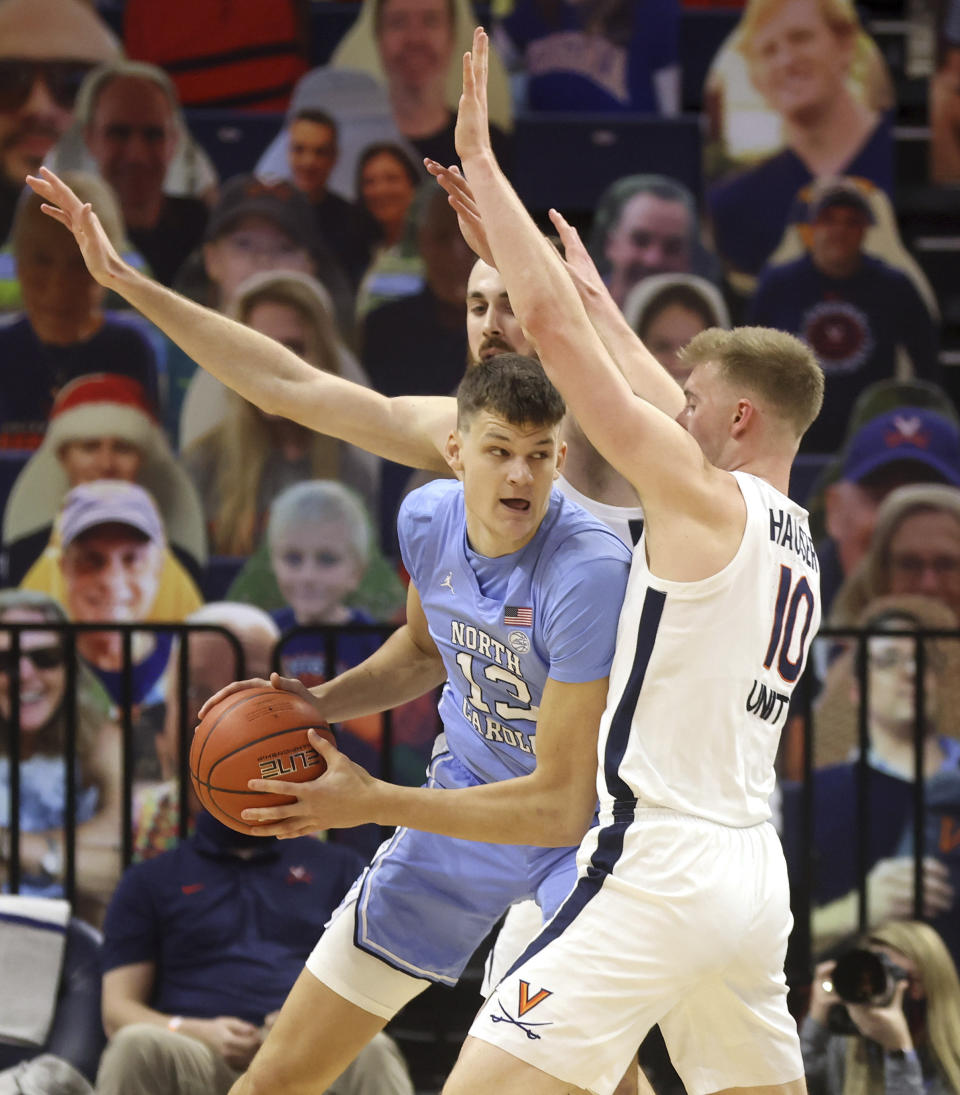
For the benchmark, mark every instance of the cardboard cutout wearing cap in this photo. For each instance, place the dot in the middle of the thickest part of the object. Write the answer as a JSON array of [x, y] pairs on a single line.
[[100, 405]]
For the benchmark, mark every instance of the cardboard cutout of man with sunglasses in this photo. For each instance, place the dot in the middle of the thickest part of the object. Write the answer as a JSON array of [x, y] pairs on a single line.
[[46, 48]]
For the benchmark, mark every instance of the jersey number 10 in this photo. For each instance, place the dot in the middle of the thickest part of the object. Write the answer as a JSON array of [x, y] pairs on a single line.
[[784, 624]]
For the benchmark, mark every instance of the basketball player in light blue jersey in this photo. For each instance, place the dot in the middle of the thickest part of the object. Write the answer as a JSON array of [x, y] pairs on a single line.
[[512, 606]]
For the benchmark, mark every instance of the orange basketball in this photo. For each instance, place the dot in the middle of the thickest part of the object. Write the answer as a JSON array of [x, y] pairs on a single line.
[[259, 733]]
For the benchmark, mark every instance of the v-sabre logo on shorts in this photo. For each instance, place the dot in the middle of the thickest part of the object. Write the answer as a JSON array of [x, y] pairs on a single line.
[[525, 1003]]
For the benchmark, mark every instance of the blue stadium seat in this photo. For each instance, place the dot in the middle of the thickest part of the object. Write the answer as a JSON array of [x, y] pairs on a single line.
[[568, 160], [232, 139], [219, 575], [702, 33], [329, 22]]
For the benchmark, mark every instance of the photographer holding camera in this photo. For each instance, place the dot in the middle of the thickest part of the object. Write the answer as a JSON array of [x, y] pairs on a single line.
[[885, 1017]]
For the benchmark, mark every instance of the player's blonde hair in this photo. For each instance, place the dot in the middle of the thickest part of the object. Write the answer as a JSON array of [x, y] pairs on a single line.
[[777, 367], [938, 975]]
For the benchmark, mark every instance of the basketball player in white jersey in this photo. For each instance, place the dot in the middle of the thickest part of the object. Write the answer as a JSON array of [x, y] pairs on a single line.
[[680, 915]]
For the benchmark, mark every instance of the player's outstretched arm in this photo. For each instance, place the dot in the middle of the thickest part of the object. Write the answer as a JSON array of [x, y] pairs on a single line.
[[642, 443], [409, 430]]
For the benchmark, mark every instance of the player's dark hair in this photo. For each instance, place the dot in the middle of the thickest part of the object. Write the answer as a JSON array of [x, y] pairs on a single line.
[[511, 386]]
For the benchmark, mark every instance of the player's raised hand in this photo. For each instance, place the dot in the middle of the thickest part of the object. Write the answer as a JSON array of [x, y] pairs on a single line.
[[472, 134], [286, 684], [63, 205], [461, 198], [579, 264]]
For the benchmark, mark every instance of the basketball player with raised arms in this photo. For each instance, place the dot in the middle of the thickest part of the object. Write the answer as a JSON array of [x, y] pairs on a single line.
[[680, 914], [408, 430], [405, 429]]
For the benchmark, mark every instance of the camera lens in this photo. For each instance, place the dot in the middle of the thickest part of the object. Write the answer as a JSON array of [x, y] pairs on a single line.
[[861, 977]]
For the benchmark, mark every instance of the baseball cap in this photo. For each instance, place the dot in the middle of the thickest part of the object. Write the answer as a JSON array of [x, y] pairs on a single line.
[[106, 502], [905, 434], [279, 202], [839, 192]]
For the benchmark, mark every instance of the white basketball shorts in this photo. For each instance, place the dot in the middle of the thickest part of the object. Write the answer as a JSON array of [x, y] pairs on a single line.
[[674, 920]]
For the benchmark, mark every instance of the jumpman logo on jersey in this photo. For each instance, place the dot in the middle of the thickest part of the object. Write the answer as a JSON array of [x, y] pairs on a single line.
[[447, 582]]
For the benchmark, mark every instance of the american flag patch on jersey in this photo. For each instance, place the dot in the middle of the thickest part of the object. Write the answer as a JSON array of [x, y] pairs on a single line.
[[515, 616]]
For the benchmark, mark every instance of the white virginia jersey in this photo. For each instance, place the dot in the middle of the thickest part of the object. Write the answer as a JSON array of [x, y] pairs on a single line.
[[624, 521], [702, 676]]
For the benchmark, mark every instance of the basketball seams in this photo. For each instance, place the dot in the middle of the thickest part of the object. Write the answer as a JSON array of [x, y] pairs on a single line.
[[244, 697]]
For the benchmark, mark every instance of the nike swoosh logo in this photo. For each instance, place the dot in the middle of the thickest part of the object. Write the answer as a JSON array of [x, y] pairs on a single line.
[[194, 887]]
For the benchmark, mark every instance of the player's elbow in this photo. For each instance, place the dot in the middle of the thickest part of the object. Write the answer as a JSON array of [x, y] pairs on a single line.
[[564, 825], [576, 826], [541, 315]]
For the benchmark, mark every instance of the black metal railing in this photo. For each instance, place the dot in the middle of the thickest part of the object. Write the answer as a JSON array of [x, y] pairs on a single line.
[[805, 705], [125, 710], [802, 944]]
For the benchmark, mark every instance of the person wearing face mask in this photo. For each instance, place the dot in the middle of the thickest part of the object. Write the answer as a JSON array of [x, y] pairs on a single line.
[[909, 1045], [42, 722]]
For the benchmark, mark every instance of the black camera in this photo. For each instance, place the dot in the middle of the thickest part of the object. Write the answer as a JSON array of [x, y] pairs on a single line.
[[862, 976]]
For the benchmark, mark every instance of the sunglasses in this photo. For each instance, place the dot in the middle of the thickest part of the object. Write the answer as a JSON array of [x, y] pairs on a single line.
[[63, 80], [42, 657]]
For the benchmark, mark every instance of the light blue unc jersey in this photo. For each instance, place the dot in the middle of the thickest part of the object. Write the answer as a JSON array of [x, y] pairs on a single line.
[[701, 682], [553, 614]]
